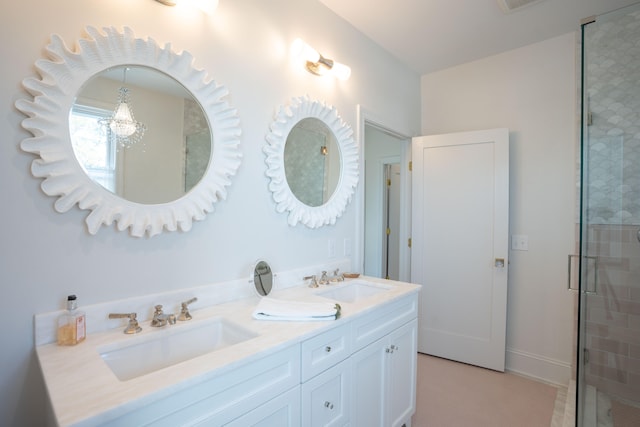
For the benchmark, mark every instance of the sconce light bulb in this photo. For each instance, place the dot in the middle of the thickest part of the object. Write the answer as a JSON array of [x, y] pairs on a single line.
[[207, 6], [341, 71], [303, 52]]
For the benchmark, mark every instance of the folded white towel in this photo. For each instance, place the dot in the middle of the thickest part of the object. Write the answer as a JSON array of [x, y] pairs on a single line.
[[274, 309]]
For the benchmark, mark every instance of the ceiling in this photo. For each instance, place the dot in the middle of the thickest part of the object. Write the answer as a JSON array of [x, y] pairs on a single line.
[[430, 35]]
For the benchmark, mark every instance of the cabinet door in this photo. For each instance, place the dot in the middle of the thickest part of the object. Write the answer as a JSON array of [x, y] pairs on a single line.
[[401, 371], [326, 398], [368, 395], [283, 411]]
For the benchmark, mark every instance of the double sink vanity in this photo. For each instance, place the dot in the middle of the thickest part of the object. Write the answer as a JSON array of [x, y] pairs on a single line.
[[224, 367]]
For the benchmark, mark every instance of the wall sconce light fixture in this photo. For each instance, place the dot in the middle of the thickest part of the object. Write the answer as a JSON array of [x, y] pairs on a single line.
[[316, 63], [207, 6]]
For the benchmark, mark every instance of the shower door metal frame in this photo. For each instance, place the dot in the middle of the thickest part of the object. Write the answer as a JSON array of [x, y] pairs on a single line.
[[581, 350]]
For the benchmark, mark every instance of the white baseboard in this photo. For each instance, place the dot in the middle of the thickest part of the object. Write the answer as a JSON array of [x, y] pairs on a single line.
[[538, 367]]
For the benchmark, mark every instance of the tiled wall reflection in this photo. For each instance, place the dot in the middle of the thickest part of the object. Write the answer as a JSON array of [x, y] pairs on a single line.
[[613, 312]]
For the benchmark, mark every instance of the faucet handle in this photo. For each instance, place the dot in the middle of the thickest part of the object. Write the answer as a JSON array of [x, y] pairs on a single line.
[[184, 311], [133, 327], [314, 280], [324, 280]]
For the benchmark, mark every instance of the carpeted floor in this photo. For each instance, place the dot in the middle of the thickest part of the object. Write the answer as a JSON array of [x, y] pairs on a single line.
[[451, 394]]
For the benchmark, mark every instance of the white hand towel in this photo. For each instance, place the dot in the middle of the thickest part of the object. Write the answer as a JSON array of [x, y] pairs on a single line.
[[274, 309]]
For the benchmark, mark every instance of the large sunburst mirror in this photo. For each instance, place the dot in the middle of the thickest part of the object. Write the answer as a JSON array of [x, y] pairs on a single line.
[[130, 131]]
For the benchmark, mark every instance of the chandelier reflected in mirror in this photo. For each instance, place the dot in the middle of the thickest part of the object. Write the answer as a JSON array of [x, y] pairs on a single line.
[[122, 125]]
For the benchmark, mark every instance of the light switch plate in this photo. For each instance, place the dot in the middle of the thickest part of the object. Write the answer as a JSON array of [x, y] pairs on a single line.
[[332, 248], [347, 247], [519, 242]]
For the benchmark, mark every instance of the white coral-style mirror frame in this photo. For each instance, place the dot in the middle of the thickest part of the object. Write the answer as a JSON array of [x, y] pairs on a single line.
[[61, 76], [286, 118]]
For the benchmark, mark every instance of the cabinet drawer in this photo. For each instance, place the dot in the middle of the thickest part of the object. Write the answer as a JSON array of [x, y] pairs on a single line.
[[282, 411], [326, 398], [221, 399], [325, 350], [380, 322]]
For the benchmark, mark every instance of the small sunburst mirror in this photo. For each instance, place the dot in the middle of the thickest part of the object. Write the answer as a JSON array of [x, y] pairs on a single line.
[[312, 161]]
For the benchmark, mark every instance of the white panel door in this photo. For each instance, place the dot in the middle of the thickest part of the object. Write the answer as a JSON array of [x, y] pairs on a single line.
[[460, 210]]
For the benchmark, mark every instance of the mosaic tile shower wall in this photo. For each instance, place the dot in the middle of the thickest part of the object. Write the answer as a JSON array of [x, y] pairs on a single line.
[[613, 77], [613, 208]]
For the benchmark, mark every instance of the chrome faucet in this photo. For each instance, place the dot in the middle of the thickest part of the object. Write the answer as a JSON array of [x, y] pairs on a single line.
[[184, 311], [161, 319]]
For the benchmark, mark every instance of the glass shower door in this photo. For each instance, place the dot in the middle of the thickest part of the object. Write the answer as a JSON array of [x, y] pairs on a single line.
[[608, 366]]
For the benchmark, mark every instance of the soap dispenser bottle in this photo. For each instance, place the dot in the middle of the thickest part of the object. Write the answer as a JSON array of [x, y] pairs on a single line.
[[71, 325]]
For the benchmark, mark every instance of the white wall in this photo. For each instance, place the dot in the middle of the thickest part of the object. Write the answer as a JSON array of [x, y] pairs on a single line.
[[532, 91], [46, 255]]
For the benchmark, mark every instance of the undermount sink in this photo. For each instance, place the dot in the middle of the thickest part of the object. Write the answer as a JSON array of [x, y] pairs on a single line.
[[171, 345], [352, 291]]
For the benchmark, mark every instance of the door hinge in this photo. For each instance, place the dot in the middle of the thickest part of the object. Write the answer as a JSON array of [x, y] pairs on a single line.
[[409, 242], [410, 166], [589, 118], [388, 182], [388, 231], [586, 355]]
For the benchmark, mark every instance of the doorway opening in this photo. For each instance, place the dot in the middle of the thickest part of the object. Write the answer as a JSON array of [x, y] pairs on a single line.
[[387, 203], [391, 221]]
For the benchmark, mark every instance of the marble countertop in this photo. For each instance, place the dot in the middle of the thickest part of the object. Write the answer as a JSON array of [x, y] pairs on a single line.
[[84, 391]]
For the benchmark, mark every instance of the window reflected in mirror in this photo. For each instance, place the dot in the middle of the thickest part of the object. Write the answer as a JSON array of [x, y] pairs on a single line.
[[92, 145]]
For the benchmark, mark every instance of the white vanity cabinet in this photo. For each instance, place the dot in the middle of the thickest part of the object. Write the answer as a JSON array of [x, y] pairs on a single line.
[[384, 371], [358, 371], [363, 373], [326, 378]]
